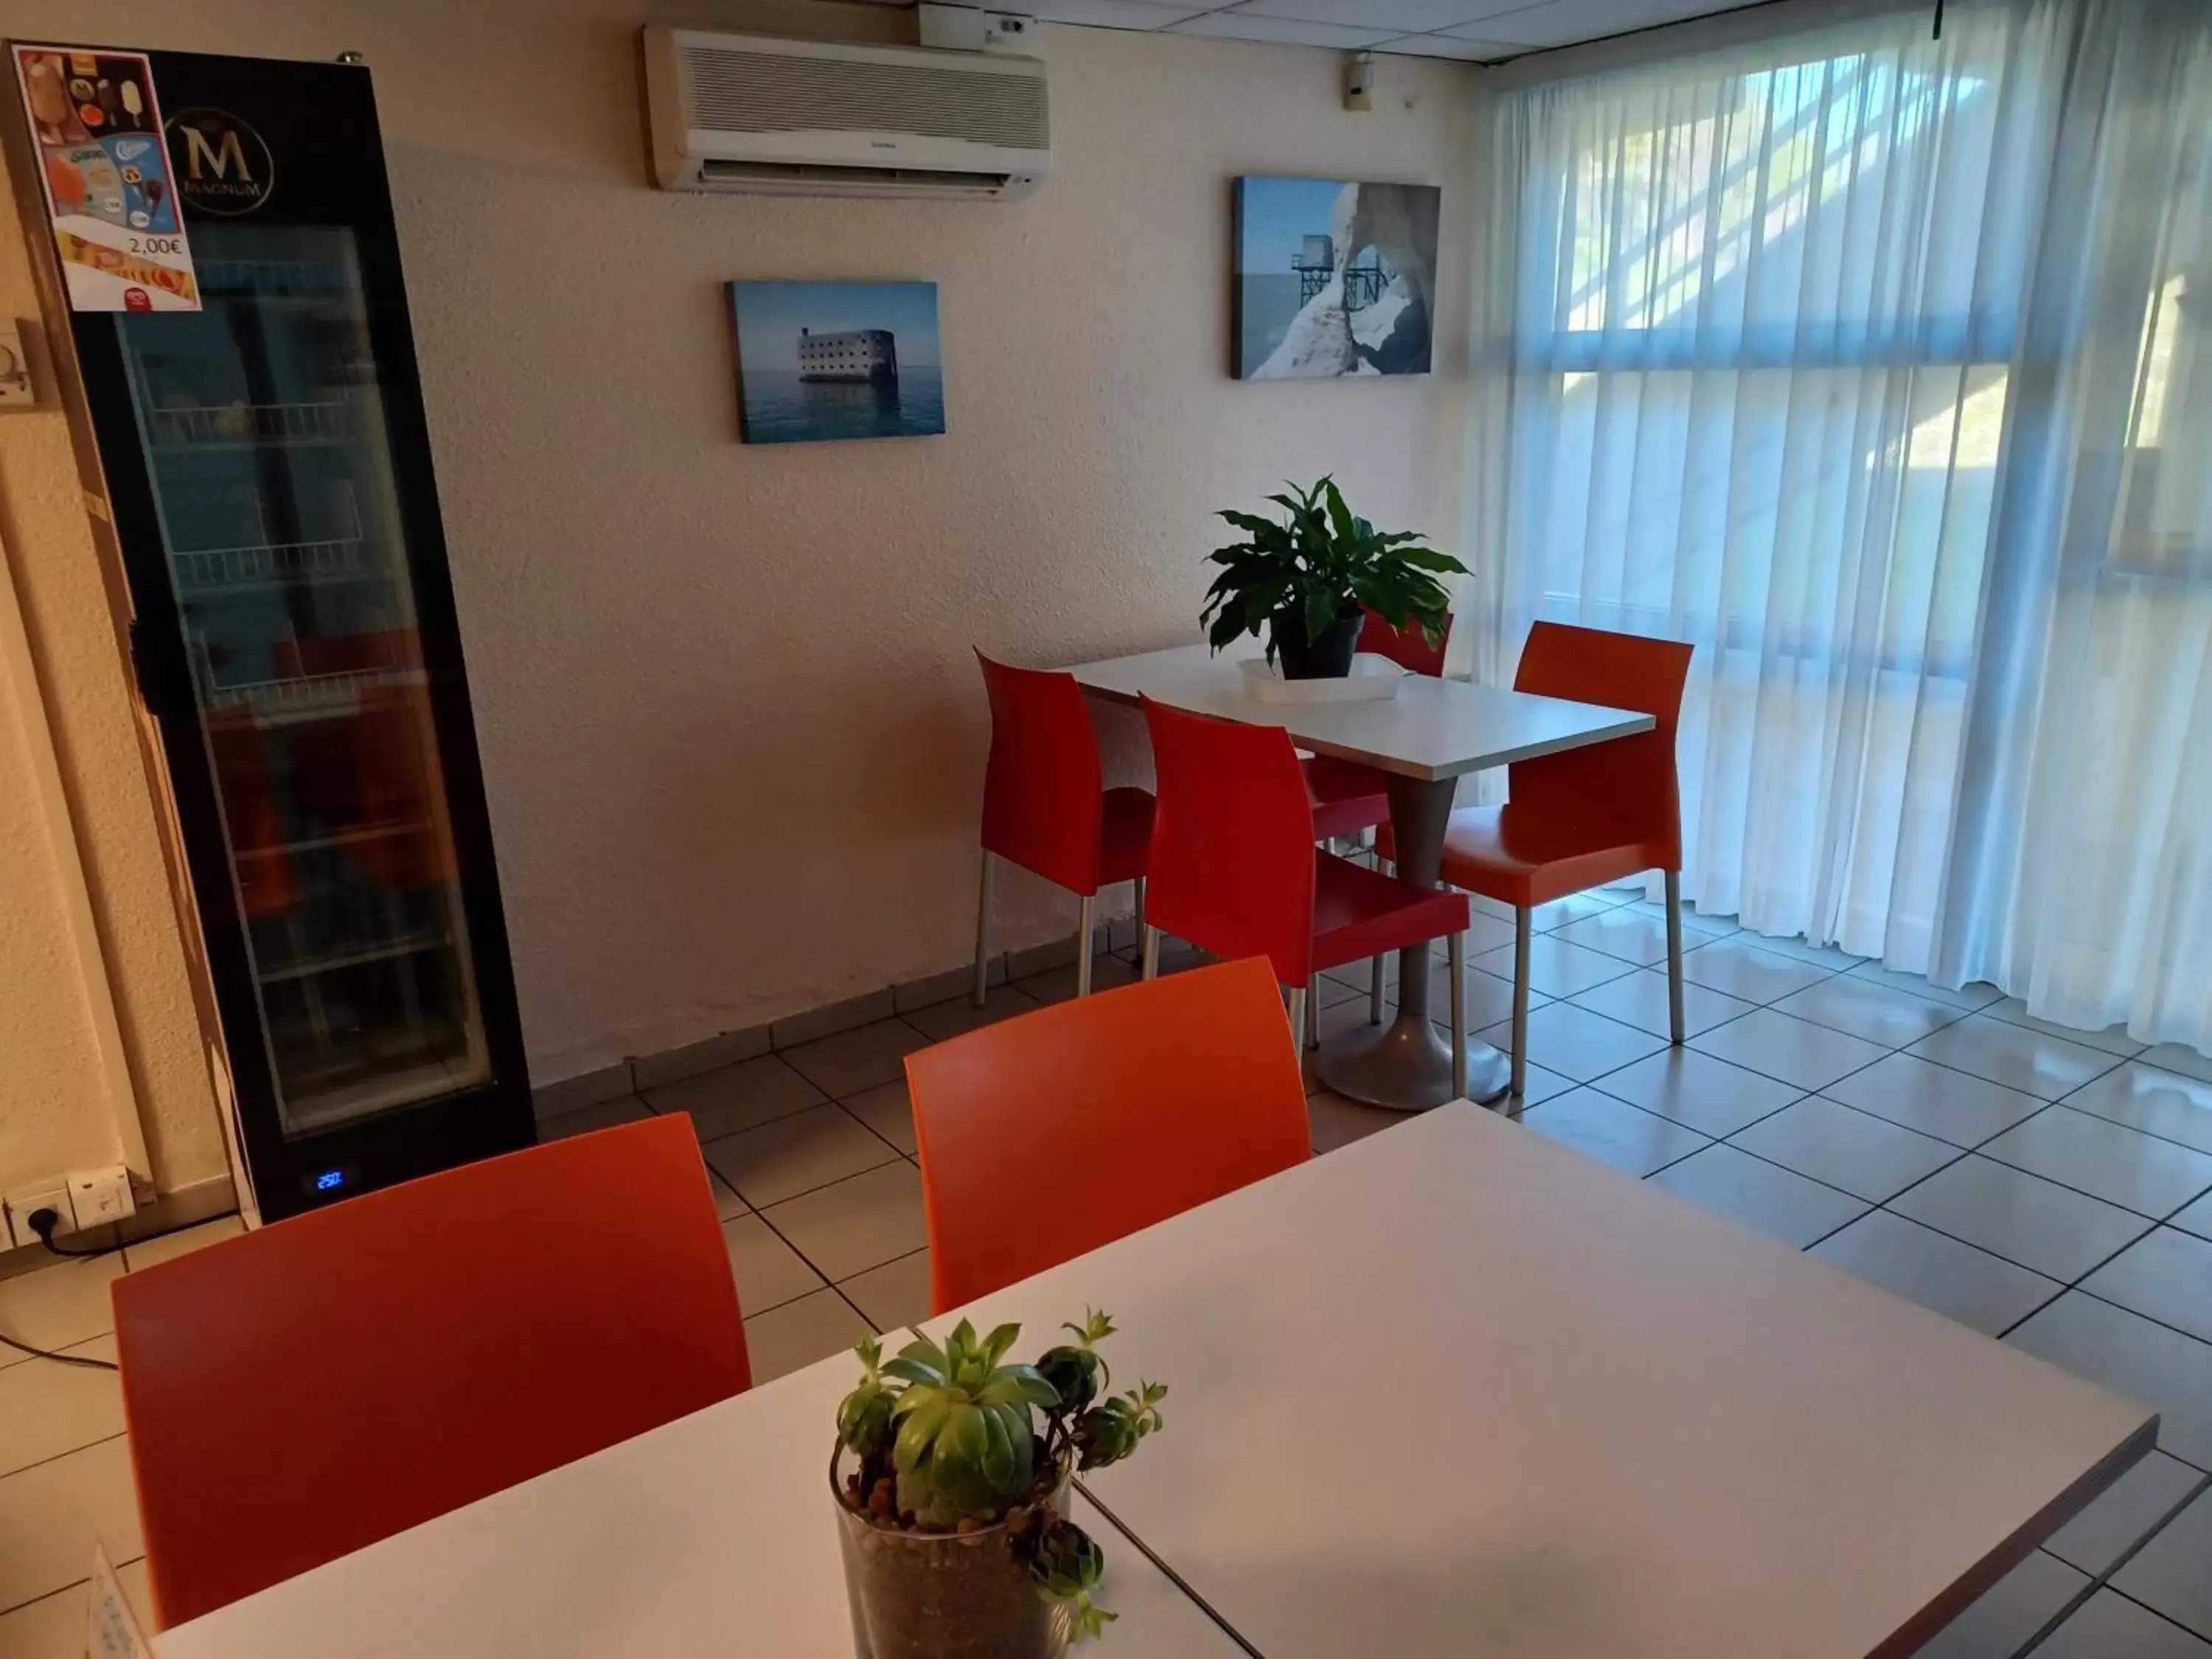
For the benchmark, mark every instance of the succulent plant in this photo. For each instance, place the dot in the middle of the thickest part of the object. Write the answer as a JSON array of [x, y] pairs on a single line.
[[1067, 1569], [1109, 1430], [1077, 1372], [964, 1445], [948, 1436]]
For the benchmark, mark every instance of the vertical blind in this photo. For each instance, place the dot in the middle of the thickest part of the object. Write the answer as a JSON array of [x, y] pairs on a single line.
[[1871, 364]]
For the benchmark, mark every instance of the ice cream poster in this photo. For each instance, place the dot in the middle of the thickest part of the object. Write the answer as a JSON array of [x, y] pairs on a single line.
[[105, 172]]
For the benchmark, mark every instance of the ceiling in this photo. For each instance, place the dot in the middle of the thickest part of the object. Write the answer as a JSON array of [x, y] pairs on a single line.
[[1478, 31]]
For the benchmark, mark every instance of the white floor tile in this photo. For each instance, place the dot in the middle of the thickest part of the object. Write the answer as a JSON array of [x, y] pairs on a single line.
[[1640, 999], [1757, 1194], [2052, 1230], [860, 1222], [1577, 1043], [2197, 1219], [1058, 984], [1970, 997], [886, 1109], [797, 1334], [52, 1513], [2111, 1626], [2133, 1356], [1697, 1092], [797, 1154], [1865, 1155], [2186, 1062], [2114, 1039], [606, 1114], [768, 1271], [1489, 999], [48, 1409], [1540, 1084], [1627, 932], [1793, 1051], [1846, 1002], [53, 1307], [734, 1097], [1953, 1106], [1612, 1131], [2165, 1275], [1338, 1121], [168, 1247], [1957, 1280], [2030, 1061], [1557, 969], [1692, 922], [2010, 1613], [950, 1019], [859, 1058], [2134, 1506], [1832, 957], [728, 1205], [2157, 1102], [2106, 1160], [1742, 970], [2172, 1574], [1576, 907], [53, 1626], [894, 1294]]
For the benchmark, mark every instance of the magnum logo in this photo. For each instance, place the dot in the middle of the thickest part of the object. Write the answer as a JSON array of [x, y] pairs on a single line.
[[221, 163]]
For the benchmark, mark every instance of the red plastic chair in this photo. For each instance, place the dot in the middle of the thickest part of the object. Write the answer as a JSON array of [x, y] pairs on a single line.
[[1045, 807], [1590, 815], [316, 1385], [1235, 870], [1142, 1102]]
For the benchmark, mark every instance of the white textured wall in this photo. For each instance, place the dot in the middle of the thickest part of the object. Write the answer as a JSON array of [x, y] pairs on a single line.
[[732, 734]]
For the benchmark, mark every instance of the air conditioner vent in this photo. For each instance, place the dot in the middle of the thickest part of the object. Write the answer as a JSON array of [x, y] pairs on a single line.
[[753, 92]]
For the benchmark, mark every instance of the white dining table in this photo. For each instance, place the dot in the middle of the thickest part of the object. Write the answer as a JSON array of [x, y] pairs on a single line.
[[1433, 732], [1453, 1390]]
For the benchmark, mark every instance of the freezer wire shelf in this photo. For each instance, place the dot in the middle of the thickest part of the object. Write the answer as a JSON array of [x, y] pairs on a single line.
[[260, 279], [235, 423], [412, 945], [308, 697], [214, 568]]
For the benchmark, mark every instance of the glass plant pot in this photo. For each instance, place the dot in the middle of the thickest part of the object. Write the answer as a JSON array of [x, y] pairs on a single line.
[[946, 1596]]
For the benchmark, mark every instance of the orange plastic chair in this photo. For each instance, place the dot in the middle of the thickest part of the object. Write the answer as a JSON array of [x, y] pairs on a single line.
[[1590, 815], [1235, 870], [316, 1385], [1046, 809], [1052, 1134]]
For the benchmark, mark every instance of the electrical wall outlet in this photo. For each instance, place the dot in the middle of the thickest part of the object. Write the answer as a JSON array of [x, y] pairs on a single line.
[[100, 1196], [26, 1202]]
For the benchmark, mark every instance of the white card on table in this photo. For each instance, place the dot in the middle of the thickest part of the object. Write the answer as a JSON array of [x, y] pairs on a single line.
[[111, 1628]]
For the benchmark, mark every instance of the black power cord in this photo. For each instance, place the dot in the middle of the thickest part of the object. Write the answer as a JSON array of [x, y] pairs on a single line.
[[77, 1360], [43, 1221]]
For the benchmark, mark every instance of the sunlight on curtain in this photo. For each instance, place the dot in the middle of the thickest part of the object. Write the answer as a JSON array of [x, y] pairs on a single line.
[[1764, 322]]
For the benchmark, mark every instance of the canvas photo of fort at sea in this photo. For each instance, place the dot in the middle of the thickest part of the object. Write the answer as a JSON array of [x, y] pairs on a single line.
[[823, 360]]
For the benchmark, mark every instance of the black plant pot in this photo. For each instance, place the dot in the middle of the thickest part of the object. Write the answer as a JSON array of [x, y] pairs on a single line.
[[1328, 658]]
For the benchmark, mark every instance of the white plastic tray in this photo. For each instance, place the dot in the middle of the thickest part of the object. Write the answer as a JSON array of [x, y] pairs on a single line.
[[1372, 679]]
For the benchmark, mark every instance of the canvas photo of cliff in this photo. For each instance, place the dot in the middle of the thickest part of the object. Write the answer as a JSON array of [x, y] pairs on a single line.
[[1333, 278]]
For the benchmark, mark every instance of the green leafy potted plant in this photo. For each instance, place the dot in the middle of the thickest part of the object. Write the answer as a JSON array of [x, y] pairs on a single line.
[[953, 1512], [1308, 580]]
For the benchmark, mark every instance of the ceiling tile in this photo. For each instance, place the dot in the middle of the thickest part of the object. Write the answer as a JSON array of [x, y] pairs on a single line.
[[1446, 45], [1404, 16], [1289, 31], [1563, 22], [1109, 14]]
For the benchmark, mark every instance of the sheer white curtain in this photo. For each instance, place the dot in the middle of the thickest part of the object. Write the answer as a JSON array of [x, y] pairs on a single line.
[[1835, 355]]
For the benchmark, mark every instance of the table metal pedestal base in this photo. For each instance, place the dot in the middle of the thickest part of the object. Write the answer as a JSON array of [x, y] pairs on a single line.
[[1406, 1066]]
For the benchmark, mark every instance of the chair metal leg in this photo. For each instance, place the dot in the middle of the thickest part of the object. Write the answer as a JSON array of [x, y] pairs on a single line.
[[1152, 961], [1313, 1020], [1521, 931], [1455, 963], [1138, 884], [1375, 990], [1084, 941], [1298, 1011], [983, 932], [1674, 956]]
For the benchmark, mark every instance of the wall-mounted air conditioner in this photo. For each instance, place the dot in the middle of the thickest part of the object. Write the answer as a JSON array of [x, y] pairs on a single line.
[[805, 118]]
